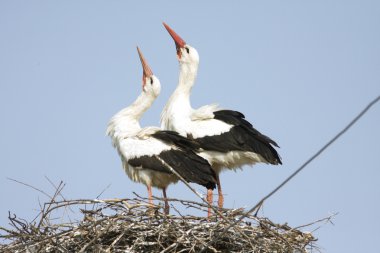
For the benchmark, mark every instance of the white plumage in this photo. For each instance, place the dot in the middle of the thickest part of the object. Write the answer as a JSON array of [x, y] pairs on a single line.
[[143, 144], [228, 140], [133, 142], [141, 149]]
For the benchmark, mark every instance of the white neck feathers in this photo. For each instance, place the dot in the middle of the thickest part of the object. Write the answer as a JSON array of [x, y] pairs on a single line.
[[179, 103], [126, 122]]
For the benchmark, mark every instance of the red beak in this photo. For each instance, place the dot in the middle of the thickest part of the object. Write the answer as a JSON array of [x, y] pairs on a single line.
[[147, 72], [179, 42]]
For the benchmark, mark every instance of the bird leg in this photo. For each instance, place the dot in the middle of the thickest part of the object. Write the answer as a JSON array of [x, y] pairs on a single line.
[[220, 194], [209, 200], [166, 208], [150, 199]]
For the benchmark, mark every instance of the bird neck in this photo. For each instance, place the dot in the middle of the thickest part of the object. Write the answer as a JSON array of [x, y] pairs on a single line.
[[126, 122], [179, 106], [142, 103], [187, 74]]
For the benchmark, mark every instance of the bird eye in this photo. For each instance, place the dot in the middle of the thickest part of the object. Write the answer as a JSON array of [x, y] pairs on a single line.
[[151, 80], [187, 50]]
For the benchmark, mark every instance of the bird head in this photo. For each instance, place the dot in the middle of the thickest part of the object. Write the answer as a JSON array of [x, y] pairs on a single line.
[[150, 83], [185, 52]]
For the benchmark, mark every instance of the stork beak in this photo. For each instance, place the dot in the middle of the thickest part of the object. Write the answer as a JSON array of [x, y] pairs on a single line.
[[147, 72], [179, 42]]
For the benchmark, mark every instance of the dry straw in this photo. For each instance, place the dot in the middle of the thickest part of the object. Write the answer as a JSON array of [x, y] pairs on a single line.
[[132, 225]]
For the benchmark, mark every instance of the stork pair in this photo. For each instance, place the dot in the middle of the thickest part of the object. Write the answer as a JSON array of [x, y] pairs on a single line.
[[197, 143]]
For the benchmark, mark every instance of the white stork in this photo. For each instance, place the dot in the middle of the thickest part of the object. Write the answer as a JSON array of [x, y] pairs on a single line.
[[141, 149], [228, 140]]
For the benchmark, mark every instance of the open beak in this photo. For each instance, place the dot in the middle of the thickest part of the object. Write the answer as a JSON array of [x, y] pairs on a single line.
[[147, 72], [179, 42]]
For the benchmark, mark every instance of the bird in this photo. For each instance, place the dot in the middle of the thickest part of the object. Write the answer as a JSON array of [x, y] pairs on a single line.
[[142, 150], [227, 139]]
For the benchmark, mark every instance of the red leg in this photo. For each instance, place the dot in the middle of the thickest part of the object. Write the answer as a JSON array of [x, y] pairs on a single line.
[[166, 208], [209, 200], [150, 199], [220, 194]]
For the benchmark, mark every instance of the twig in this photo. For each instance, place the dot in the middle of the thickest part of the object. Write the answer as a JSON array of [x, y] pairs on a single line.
[[101, 193], [49, 204], [136, 230], [169, 248], [115, 241], [326, 219], [57, 187], [196, 193], [28, 185]]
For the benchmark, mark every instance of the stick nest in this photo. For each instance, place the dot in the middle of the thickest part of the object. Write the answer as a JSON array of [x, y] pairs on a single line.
[[131, 225]]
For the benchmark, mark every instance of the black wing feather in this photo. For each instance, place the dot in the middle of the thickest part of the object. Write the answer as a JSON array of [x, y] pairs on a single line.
[[241, 137], [149, 162], [191, 167], [173, 138], [183, 160]]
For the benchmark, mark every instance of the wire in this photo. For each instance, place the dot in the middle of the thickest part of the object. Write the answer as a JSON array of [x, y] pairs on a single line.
[[337, 136]]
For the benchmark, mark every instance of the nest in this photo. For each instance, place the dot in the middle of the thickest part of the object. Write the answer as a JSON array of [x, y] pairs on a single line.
[[132, 225]]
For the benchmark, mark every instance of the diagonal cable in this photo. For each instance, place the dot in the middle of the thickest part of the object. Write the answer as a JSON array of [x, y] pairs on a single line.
[[337, 136]]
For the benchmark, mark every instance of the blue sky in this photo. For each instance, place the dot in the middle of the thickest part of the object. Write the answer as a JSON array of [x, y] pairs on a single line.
[[298, 70]]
